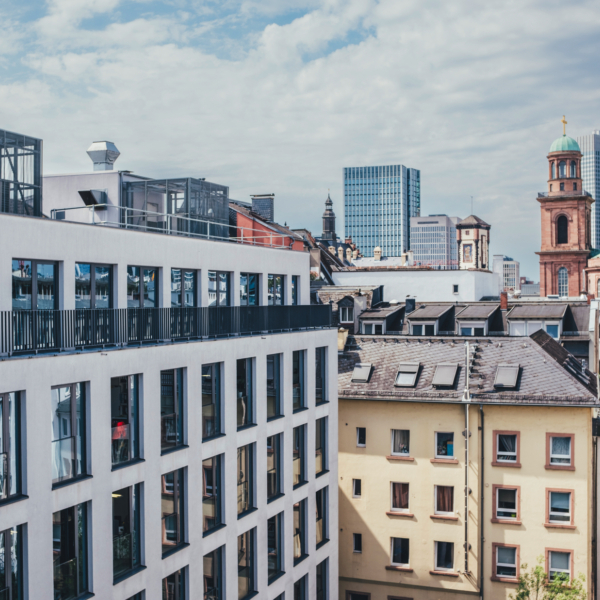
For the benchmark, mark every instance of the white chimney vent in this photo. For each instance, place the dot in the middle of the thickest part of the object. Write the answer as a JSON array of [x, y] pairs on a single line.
[[103, 154]]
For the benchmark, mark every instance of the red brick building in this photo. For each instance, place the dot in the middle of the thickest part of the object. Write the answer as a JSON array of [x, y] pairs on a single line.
[[566, 223]]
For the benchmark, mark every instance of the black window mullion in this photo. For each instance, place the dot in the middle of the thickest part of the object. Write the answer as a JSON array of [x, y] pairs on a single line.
[[129, 402], [34, 285], [76, 545]]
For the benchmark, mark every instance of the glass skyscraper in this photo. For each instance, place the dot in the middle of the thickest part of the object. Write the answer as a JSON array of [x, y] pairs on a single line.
[[378, 204], [590, 173]]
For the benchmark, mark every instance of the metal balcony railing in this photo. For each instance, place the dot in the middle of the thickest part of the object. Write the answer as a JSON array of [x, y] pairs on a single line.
[[35, 331]]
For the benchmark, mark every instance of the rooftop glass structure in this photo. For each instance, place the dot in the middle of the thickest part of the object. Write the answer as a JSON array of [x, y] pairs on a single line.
[[20, 174], [590, 175], [378, 204]]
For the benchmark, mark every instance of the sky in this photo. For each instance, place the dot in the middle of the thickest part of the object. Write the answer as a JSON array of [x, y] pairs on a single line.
[[277, 96]]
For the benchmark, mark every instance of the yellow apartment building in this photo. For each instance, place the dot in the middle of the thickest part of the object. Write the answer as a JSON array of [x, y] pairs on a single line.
[[429, 513]]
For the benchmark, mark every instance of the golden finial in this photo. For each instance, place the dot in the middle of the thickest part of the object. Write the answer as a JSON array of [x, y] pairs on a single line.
[[564, 122]]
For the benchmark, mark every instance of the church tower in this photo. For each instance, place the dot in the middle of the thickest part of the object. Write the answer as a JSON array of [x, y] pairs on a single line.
[[566, 222], [329, 221]]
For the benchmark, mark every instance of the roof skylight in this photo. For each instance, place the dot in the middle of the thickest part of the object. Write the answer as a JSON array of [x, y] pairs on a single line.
[[361, 373], [407, 375], [506, 376], [445, 374]]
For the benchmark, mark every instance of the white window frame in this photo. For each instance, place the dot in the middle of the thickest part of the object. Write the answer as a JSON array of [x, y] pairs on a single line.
[[395, 564], [558, 323], [373, 323], [345, 310], [358, 445], [438, 568], [392, 444], [569, 514], [513, 324], [472, 326], [569, 456], [436, 445], [550, 570], [354, 543], [435, 508], [399, 510], [499, 564], [497, 501], [498, 453], [423, 323], [354, 494]]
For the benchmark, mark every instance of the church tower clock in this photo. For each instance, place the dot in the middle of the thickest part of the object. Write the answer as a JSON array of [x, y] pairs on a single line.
[[566, 222]]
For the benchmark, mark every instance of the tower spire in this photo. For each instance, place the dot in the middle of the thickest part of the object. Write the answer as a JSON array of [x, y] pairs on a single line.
[[564, 122]]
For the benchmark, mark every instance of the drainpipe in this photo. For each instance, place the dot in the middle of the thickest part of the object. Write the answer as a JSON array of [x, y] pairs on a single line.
[[467, 400], [594, 516], [482, 484]]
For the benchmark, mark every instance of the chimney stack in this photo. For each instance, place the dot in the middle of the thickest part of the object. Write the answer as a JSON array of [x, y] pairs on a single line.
[[503, 300]]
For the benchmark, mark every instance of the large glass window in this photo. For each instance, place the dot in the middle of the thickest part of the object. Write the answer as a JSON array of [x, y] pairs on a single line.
[[172, 510], [211, 400], [70, 552], [274, 546], [249, 289], [299, 396], [211, 493], [124, 409], [276, 290], [245, 404], [173, 586], [213, 575], [299, 531], [93, 286], [68, 432], [10, 445], [126, 529], [171, 409], [322, 513], [34, 285], [301, 589], [246, 565], [299, 456], [274, 386], [321, 446], [183, 288], [321, 375], [322, 581], [11, 563], [274, 466], [142, 287], [218, 288], [245, 482], [295, 289]]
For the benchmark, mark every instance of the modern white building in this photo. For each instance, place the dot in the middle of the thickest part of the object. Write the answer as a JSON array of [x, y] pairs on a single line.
[[590, 174], [433, 241], [157, 444], [509, 272]]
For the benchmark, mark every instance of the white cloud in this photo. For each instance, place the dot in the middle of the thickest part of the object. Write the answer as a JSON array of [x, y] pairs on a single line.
[[470, 93]]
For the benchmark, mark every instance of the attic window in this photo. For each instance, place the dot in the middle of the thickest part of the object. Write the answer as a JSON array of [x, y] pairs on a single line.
[[506, 376], [407, 375], [361, 373], [445, 374]]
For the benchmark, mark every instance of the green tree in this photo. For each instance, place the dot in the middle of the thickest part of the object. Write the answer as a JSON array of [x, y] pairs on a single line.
[[536, 585]]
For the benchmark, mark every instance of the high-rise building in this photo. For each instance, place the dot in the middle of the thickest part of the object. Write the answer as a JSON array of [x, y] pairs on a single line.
[[433, 241], [590, 175], [378, 204], [508, 271], [144, 378]]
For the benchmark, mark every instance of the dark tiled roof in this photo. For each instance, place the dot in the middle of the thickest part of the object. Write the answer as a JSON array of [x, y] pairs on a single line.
[[381, 312], [548, 373], [473, 220], [428, 311], [538, 311], [477, 311]]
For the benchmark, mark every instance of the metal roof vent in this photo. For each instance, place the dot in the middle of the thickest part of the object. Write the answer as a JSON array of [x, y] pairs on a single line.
[[103, 154]]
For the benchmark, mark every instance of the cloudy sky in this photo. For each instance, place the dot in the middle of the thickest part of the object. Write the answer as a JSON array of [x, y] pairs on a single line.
[[279, 95]]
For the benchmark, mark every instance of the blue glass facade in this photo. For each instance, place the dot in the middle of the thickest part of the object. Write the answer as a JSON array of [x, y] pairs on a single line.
[[378, 204], [590, 174]]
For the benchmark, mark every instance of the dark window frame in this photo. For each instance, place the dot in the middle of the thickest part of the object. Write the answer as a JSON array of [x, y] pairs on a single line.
[[321, 395], [179, 504], [321, 436], [272, 289], [274, 490], [217, 276], [322, 576], [275, 551], [180, 584], [34, 283], [295, 289], [249, 541], [134, 446], [301, 588], [299, 455], [300, 530], [247, 410], [14, 585], [215, 493], [214, 591], [135, 521], [178, 416], [181, 293], [299, 380], [246, 301], [141, 290], [322, 515], [93, 267], [216, 401], [276, 412], [248, 504], [6, 461]]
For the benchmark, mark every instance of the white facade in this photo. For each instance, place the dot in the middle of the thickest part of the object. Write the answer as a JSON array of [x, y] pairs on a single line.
[[34, 376], [509, 272], [590, 174], [432, 285]]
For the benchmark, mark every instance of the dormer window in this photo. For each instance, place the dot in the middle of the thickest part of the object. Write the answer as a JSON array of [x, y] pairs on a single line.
[[346, 314], [423, 329], [407, 375]]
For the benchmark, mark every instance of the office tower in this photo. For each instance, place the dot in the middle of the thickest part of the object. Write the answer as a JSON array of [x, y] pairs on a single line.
[[590, 174], [154, 447], [378, 204], [508, 271], [433, 241]]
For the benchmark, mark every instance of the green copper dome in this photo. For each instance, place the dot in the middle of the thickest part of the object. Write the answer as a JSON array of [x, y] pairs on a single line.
[[564, 144]]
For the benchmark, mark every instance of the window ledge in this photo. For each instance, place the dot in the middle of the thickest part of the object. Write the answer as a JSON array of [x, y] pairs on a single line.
[[297, 561], [244, 427], [213, 437], [323, 472], [276, 577], [86, 595], [514, 465], [250, 595], [444, 573], [406, 458], [174, 550], [322, 402], [392, 513], [505, 579], [129, 574], [171, 450], [299, 485], [395, 568], [299, 410], [321, 544], [445, 517], [129, 463], [559, 526], [246, 513], [272, 499], [12, 499], [67, 482], [450, 461], [560, 468], [275, 418], [213, 530], [506, 521]]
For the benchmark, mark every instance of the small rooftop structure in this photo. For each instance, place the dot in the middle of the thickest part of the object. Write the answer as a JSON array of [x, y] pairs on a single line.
[[103, 155]]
